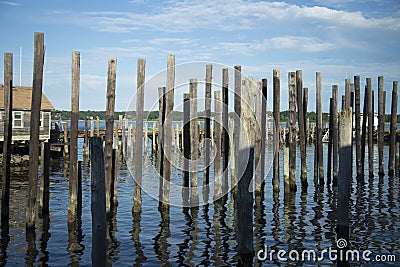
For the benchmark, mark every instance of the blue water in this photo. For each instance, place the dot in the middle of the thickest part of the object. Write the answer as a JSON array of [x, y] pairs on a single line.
[[204, 235]]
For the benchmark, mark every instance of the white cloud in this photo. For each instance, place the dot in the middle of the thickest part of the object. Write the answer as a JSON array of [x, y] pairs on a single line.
[[9, 3]]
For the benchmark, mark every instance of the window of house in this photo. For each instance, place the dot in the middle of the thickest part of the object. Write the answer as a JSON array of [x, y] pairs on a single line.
[[18, 119], [41, 122]]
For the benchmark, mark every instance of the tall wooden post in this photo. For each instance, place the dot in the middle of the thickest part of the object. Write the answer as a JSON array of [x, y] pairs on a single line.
[[393, 128], [329, 167], [8, 98], [112, 66], [207, 125], [306, 121], [364, 128], [264, 90], [246, 170], [292, 131], [186, 146], [153, 141], [347, 96], [225, 135], [217, 140], [97, 126], [358, 125], [160, 154], [38, 62], [335, 137], [73, 163], [120, 119], [194, 144], [276, 113], [91, 127], [381, 123], [116, 154], [344, 178], [138, 156], [320, 154], [370, 128], [98, 202], [237, 109], [300, 113], [169, 107]]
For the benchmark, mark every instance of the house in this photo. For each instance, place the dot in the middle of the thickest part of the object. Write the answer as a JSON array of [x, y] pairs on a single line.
[[21, 115]]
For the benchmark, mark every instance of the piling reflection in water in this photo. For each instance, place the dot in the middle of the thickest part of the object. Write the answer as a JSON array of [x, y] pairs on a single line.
[[200, 236]]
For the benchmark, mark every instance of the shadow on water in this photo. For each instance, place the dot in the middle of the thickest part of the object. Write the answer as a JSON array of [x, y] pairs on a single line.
[[207, 243], [184, 246], [112, 242], [135, 232], [259, 221], [44, 228], [5, 239]]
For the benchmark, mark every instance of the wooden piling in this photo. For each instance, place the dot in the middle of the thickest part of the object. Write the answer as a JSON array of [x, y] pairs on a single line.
[[97, 126], [207, 125], [306, 120], [286, 182], [329, 163], [8, 99], [194, 144], [358, 126], [115, 157], [85, 140], [153, 140], [186, 146], [65, 129], [91, 127], [264, 91], [344, 178], [160, 154], [79, 199], [347, 95], [98, 202], [276, 113], [38, 61], [138, 156], [335, 137], [120, 124], [320, 155], [370, 128], [146, 137], [364, 128], [381, 124], [236, 126], [245, 169], [108, 162], [300, 114], [225, 135], [258, 143], [169, 107], [217, 142], [292, 131], [393, 128], [73, 162]]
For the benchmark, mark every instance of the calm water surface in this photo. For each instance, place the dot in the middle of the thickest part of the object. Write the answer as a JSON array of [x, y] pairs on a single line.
[[205, 235]]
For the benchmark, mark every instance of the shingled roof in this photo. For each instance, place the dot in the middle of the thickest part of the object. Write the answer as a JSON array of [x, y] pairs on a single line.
[[22, 99]]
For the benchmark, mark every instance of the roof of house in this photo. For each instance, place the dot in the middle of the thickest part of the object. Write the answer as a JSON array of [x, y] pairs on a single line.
[[22, 99]]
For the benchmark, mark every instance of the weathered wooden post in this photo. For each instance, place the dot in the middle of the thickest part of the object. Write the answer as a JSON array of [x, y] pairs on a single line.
[[393, 128], [8, 99], [257, 139], [85, 140], [38, 61], [73, 162], [115, 157], [381, 124], [370, 128], [66, 150], [108, 162], [138, 156], [97, 126], [217, 140], [186, 147], [276, 113], [335, 137], [286, 182], [329, 167], [320, 155], [347, 94], [153, 141], [307, 121], [237, 109], [194, 144], [79, 200], [344, 178], [264, 91], [300, 114], [120, 119], [98, 202], [167, 132], [225, 135], [91, 127], [207, 126], [246, 170], [160, 154], [292, 131], [146, 136], [358, 125]]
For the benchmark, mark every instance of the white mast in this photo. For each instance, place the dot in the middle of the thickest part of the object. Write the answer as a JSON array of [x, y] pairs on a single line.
[[20, 66]]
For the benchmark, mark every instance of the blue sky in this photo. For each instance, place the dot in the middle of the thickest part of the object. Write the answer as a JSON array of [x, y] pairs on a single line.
[[339, 38]]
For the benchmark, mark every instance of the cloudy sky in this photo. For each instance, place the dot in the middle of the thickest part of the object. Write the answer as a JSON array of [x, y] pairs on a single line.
[[339, 38]]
